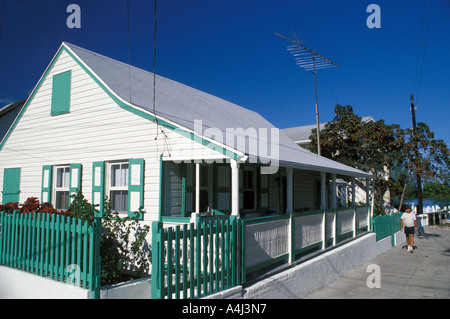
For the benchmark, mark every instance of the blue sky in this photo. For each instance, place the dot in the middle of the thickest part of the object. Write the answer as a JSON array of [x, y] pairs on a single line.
[[229, 49]]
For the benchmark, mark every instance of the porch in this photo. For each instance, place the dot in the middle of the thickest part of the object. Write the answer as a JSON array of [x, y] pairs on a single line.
[[220, 189]]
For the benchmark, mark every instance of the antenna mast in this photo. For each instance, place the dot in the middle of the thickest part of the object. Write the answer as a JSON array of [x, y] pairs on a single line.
[[310, 61]]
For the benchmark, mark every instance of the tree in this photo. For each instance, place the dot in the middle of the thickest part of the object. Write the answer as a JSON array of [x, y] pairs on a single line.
[[371, 147], [426, 156], [393, 155]]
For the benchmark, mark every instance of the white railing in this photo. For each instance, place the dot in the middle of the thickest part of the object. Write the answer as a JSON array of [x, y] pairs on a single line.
[[267, 240], [283, 237]]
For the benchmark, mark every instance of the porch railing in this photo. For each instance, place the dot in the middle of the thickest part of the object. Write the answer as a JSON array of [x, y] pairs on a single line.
[[197, 259], [54, 246], [274, 239]]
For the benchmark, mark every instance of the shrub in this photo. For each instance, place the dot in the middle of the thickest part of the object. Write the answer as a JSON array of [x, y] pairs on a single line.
[[122, 260], [122, 256]]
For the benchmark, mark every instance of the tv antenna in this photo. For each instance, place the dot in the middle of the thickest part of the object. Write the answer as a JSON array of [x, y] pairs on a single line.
[[310, 61]]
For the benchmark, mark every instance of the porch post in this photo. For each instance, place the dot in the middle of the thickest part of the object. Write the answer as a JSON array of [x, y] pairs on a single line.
[[290, 211], [323, 206], [354, 205], [289, 189], [234, 188], [197, 188], [334, 205]]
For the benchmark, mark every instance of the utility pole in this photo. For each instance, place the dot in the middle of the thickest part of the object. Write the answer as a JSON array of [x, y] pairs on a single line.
[[306, 58], [416, 151]]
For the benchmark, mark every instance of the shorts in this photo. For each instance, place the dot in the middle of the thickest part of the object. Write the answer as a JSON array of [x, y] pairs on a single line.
[[409, 230]]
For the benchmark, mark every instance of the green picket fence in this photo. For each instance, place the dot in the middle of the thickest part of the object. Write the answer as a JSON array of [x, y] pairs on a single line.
[[386, 225], [55, 246], [196, 260]]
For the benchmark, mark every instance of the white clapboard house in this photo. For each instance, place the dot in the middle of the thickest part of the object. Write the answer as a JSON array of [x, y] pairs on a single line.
[[93, 124]]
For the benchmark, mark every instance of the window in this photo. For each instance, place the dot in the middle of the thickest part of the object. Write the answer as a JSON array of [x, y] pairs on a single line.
[[249, 189], [61, 194], [118, 187], [61, 93], [122, 182]]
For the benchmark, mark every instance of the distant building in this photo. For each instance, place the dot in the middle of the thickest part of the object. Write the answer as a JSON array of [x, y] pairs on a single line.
[[8, 114], [300, 135]]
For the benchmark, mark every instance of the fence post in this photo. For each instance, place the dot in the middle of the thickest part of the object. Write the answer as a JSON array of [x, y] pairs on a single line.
[[244, 251], [354, 206], [292, 237], [97, 257], [157, 255]]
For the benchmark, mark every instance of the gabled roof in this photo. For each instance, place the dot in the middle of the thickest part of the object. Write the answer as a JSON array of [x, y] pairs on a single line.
[[183, 105], [8, 114], [178, 107]]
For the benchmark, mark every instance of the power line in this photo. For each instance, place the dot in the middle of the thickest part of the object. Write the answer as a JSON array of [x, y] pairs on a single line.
[[129, 50], [419, 71], [154, 72]]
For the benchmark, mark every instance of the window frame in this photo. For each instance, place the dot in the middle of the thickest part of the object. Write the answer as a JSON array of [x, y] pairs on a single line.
[[124, 187], [56, 189]]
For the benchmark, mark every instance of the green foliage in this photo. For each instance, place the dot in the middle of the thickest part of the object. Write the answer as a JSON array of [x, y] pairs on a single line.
[[380, 148], [122, 257], [437, 191], [81, 208], [425, 155], [122, 260]]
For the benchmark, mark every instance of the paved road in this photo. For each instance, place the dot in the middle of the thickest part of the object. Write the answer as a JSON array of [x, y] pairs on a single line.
[[423, 274]]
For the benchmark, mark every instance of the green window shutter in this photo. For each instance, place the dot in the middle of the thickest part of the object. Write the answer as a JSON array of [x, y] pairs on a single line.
[[61, 93], [11, 185], [98, 185], [135, 186], [46, 186], [74, 180]]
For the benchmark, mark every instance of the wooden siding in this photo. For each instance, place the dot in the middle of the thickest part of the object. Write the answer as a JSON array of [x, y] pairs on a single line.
[[95, 129]]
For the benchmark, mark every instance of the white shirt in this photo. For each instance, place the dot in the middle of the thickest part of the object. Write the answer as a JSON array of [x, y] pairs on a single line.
[[408, 219]]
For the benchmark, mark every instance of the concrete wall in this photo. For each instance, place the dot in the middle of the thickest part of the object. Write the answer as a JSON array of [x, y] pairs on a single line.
[[18, 284], [306, 277], [135, 289], [296, 282]]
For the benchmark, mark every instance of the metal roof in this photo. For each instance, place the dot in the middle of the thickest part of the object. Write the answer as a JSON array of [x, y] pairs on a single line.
[[8, 114], [184, 105]]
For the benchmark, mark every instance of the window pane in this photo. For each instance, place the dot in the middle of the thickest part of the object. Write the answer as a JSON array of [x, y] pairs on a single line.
[[124, 181], [119, 175], [114, 174], [119, 201], [66, 177], [248, 179], [249, 200], [62, 176], [204, 176], [59, 177], [62, 200]]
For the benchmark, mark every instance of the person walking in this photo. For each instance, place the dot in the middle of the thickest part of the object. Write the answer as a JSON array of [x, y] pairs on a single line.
[[409, 220]]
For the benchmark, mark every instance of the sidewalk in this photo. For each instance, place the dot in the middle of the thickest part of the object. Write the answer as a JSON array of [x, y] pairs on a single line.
[[423, 274]]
